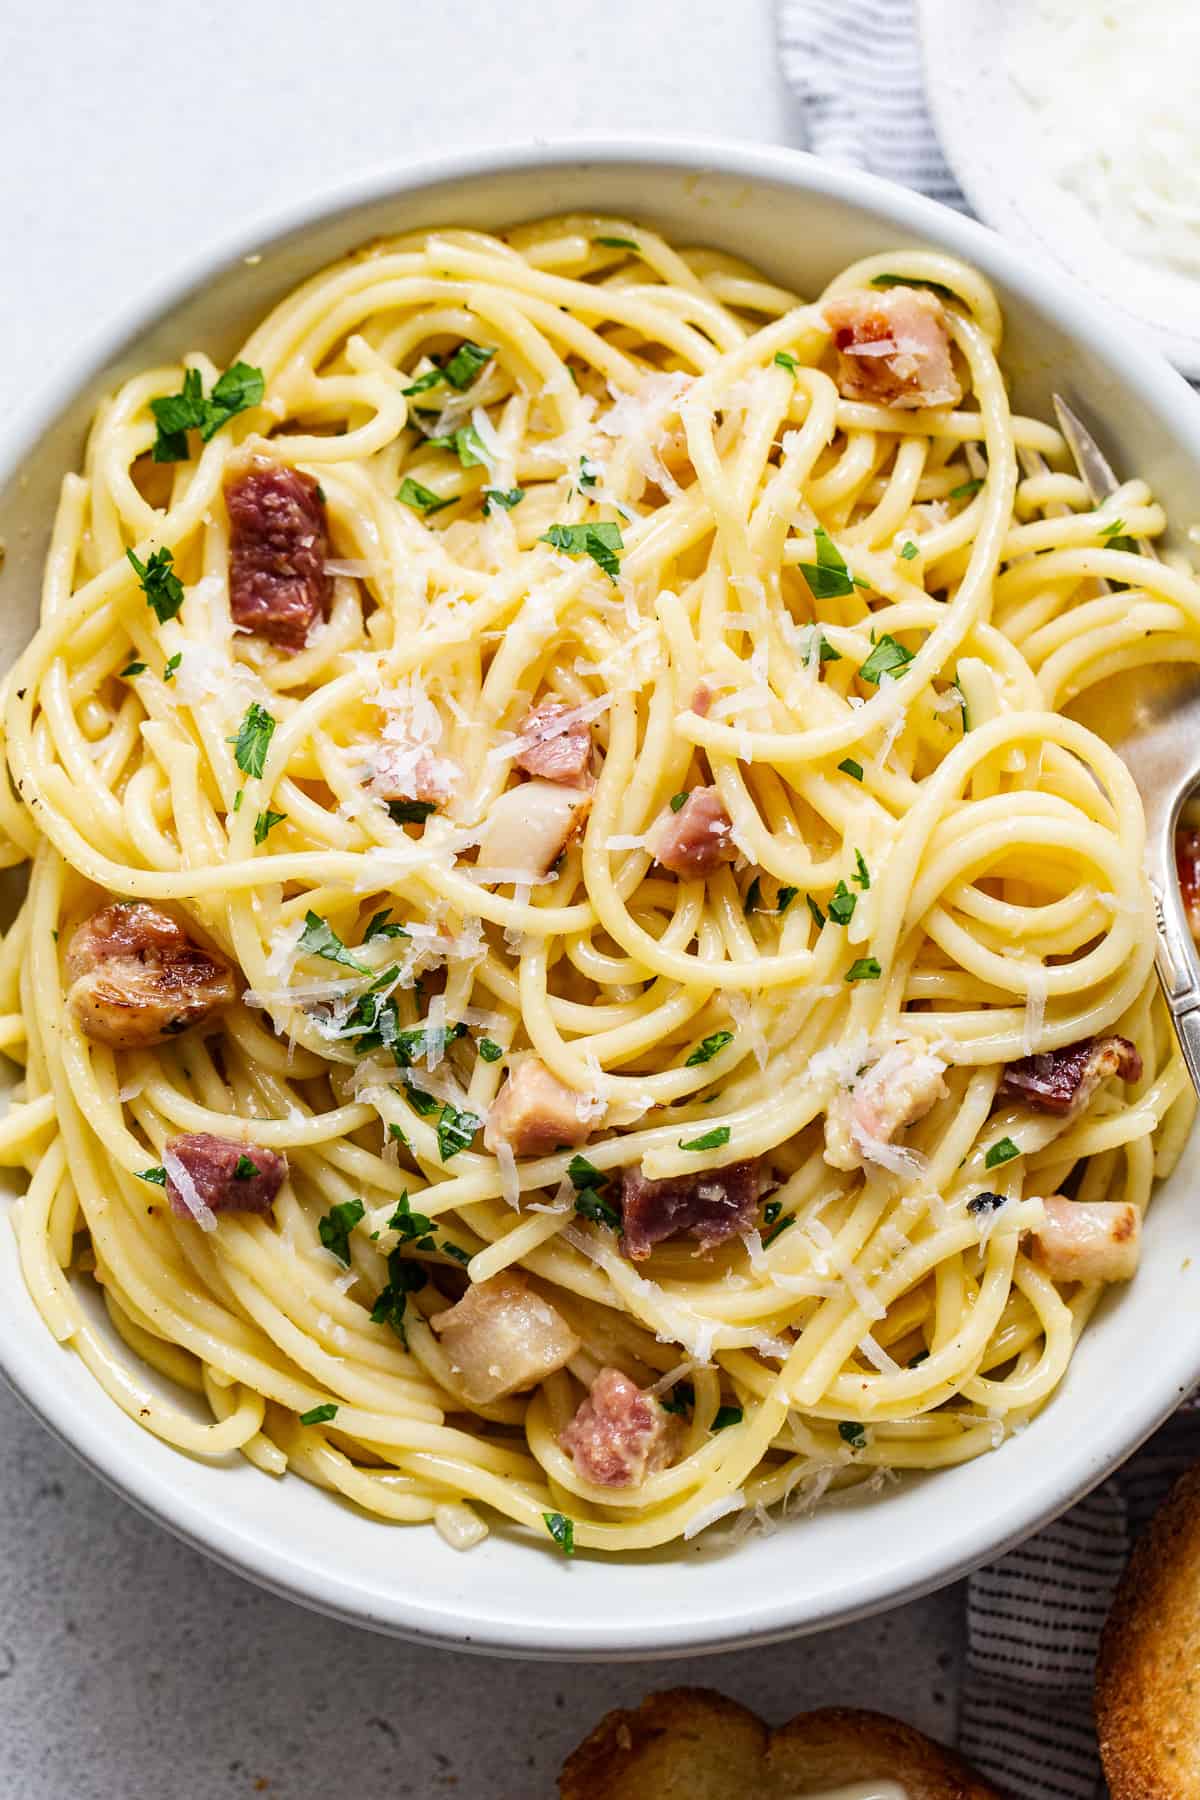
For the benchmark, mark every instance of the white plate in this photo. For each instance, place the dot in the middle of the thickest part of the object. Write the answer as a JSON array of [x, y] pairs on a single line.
[[986, 131], [800, 220]]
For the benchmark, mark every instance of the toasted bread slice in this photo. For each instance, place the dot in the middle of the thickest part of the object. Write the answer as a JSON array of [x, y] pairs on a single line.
[[693, 1744], [1148, 1673]]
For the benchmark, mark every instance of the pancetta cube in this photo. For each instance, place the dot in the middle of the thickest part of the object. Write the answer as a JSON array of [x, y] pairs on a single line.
[[501, 1337], [528, 826], [535, 1113], [278, 544], [893, 348], [1088, 1241], [712, 1206], [895, 1091], [225, 1174], [698, 838], [555, 744], [619, 1434], [137, 978], [1063, 1081]]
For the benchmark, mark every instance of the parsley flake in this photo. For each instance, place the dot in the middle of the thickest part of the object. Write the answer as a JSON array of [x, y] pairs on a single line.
[[253, 740], [378, 926], [562, 1530], [1001, 1152], [592, 1205], [828, 578], [784, 1224], [172, 664], [908, 551], [240, 387], [161, 586], [455, 1131], [320, 939], [848, 766], [335, 1226], [505, 497], [753, 896], [786, 362], [404, 1278], [600, 541], [490, 1050], [842, 904], [863, 877], [784, 898], [131, 669], [408, 1223], [467, 364], [266, 822], [617, 243], [319, 1415], [935, 287], [885, 659], [712, 1140], [422, 499], [679, 801], [966, 489], [817, 915], [708, 1048], [245, 1168], [865, 969], [726, 1415], [585, 1174], [157, 1176]]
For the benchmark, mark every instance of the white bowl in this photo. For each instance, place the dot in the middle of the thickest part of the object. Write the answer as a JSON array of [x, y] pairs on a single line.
[[801, 220], [987, 132]]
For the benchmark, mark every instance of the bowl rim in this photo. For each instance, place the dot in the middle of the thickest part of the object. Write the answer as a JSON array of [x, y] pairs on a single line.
[[1119, 1428]]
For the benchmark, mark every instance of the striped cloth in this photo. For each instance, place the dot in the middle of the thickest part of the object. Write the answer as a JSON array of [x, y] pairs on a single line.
[[1033, 1617]]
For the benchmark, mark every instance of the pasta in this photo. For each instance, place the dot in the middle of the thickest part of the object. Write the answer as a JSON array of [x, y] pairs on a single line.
[[578, 468]]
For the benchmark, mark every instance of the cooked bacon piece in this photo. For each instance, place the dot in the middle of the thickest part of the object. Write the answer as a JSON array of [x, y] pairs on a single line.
[[528, 825], [893, 348], [501, 1338], [213, 1164], [416, 773], [138, 978], [702, 699], [619, 1434], [1187, 867], [278, 543], [1063, 1081], [711, 1206], [894, 1092], [698, 838], [535, 1113], [1089, 1240], [563, 747]]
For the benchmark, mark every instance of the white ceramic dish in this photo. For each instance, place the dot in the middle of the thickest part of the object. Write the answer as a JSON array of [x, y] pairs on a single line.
[[801, 220], [986, 131]]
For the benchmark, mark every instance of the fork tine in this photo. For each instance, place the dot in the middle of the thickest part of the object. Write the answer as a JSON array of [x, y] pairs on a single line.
[[1095, 471]]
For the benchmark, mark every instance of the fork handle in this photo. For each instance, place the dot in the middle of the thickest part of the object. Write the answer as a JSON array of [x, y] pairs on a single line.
[[1175, 961]]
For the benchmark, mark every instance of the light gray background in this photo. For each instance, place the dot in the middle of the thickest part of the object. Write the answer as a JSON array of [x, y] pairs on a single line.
[[132, 133]]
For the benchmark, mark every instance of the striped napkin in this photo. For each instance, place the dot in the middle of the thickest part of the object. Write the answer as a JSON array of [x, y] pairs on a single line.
[[1033, 1617]]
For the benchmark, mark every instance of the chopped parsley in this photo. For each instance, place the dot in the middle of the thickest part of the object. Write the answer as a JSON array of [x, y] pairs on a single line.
[[784, 898], [588, 476], [253, 740], [848, 766], [424, 382], [410, 1224], [865, 969], [158, 581], [245, 1168], [852, 1433], [1114, 536], [378, 926], [786, 361], [237, 800], [319, 1415], [467, 364], [427, 1041], [680, 800], [817, 915], [335, 1226], [131, 669], [771, 1211], [863, 876], [422, 499], [320, 939], [490, 1050], [966, 489], [585, 1174], [1001, 1152], [240, 387], [885, 659], [985, 1203], [172, 664], [157, 1176], [828, 578], [753, 896], [423, 1104], [265, 823], [842, 904], [448, 1249], [715, 1139], [726, 1415], [617, 243], [592, 1205], [410, 812], [710, 1047], [935, 287], [908, 551], [562, 1530], [504, 497], [468, 447], [404, 1278], [601, 542], [455, 1131], [810, 636]]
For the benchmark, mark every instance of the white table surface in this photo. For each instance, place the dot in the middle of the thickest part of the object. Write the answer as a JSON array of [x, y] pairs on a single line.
[[130, 133]]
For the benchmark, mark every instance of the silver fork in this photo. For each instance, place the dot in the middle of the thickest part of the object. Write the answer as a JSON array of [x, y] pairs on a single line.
[[1151, 717]]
